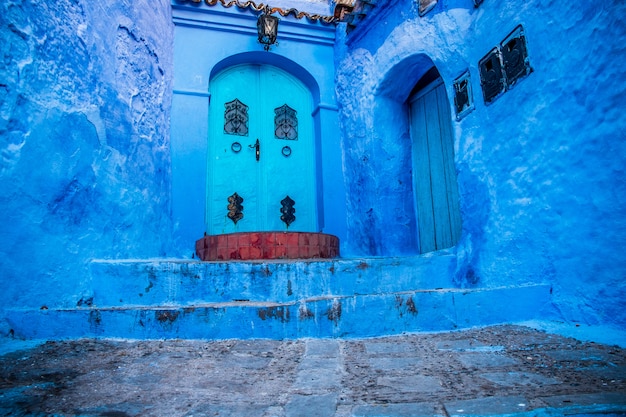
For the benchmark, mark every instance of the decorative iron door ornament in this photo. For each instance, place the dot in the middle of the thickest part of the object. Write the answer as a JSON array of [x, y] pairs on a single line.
[[235, 147], [236, 118], [287, 210], [235, 209], [286, 151], [285, 123]]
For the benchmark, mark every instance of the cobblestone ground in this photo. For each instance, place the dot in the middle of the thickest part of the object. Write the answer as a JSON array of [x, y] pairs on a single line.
[[488, 371]]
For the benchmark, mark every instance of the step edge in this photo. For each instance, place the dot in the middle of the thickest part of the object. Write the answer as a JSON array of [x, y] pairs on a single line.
[[198, 304]]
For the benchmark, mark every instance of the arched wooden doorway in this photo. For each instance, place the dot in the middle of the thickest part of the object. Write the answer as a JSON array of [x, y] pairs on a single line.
[[261, 155], [434, 175]]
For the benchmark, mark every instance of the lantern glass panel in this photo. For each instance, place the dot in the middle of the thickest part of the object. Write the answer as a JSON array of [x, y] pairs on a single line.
[[267, 28]]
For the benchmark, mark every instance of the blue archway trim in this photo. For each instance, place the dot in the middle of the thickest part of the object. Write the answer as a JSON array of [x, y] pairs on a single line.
[[398, 81], [268, 58]]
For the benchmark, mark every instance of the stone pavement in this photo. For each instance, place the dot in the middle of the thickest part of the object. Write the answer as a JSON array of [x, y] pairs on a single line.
[[499, 370]]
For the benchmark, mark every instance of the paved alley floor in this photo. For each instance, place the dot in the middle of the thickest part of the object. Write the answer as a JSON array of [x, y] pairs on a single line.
[[500, 370]]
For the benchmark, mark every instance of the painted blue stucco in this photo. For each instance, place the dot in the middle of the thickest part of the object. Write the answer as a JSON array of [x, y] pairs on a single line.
[[103, 135], [85, 97], [540, 169]]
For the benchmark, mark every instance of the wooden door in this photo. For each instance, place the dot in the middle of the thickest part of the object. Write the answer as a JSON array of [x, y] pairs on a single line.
[[251, 103], [434, 175]]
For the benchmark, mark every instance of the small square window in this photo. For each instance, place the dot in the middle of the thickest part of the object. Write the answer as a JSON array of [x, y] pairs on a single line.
[[515, 56], [463, 97], [491, 76]]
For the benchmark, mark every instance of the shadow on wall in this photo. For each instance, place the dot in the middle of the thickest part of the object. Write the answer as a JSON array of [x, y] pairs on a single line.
[[475, 208]]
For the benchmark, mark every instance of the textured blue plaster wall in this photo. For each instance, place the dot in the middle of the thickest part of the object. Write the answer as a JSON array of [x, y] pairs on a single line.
[[84, 108], [85, 93], [540, 170]]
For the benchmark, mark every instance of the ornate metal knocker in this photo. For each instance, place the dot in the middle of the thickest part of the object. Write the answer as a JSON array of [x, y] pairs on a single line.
[[235, 147], [286, 151], [257, 148]]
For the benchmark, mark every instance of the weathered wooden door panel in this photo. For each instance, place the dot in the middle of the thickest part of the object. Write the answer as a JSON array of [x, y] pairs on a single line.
[[229, 168], [452, 186], [285, 164], [434, 175]]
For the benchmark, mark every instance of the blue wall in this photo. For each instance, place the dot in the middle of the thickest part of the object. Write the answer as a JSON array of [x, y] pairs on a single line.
[[87, 170], [540, 169], [85, 96]]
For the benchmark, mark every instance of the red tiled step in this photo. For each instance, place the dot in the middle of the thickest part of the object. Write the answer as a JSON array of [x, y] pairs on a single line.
[[267, 245]]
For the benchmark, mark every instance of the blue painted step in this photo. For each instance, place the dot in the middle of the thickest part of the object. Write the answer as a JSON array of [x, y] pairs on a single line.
[[339, 298], [353, 316], [123, 283]]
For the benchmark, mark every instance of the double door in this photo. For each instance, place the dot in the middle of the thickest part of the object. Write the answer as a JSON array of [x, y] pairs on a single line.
[[261, 171]]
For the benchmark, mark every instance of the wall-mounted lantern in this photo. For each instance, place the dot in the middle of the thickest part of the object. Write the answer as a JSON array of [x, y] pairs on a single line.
[[267, 27], [343, 8]]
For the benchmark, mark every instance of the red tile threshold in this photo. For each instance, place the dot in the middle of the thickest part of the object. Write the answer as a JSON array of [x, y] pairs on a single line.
[[267, 245]]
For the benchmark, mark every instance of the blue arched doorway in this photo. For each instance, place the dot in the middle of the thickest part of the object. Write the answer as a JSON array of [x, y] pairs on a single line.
[[261, 155], [414, 125], [434, 175]]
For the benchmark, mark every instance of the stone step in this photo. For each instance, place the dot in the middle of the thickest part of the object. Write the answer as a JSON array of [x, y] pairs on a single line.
[[180, 282], [356, 315]]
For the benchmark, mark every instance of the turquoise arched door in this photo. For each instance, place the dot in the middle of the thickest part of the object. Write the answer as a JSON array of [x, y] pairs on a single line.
[[261, 170], [434, 175]]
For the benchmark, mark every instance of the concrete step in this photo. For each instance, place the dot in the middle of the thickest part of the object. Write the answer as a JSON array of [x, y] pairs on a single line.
[[187, 283], [356, 315], [149, 299]]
